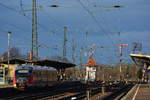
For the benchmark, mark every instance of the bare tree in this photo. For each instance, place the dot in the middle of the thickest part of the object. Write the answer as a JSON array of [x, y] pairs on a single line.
[[14, 53]]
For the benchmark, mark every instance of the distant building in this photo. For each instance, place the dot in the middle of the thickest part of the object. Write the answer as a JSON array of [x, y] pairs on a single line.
[[7, 73], [91, 69]]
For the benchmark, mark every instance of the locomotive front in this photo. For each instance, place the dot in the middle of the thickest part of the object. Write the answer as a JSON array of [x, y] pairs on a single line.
[[23, 77]]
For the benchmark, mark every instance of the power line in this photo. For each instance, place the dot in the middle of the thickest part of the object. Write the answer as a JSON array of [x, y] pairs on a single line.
[[27, 17], [16, 27], [48, 15], [103, 19], [14, 10], [16, 39], [107, 25], [21, 7], [95, 20]]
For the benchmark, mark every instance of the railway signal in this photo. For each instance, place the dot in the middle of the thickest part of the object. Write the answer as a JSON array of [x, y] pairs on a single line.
[[120, 59]]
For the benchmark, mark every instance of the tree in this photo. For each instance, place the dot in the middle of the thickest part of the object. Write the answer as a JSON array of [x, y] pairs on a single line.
[[14, 53], [140, 73]]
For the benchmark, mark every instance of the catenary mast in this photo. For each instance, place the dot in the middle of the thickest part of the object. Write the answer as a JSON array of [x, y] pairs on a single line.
[[34, 49]]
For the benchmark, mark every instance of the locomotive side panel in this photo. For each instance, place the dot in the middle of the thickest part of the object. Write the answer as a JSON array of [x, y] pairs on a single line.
[[33, 76]]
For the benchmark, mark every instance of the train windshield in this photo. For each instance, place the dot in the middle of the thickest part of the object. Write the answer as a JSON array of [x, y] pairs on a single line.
[[22, 73]]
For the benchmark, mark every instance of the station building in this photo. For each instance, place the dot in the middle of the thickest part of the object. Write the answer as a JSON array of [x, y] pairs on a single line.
[[7, 73]]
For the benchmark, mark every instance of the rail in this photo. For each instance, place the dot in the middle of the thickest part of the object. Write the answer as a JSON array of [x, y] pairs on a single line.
[[117, 95], [130, 93]]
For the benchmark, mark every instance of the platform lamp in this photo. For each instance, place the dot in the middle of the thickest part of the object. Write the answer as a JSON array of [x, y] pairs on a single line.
[[8, 53]]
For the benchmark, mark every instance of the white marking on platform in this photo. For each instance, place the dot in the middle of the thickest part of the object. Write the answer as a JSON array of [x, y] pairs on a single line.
[[136, 92]]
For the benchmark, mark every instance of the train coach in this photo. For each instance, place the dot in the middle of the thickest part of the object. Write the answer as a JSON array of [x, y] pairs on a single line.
[[26, 76]]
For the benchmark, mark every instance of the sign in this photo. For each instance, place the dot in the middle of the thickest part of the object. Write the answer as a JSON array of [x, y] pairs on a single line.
[[90, 73], [123, 44], [23, 71], [148, 69]]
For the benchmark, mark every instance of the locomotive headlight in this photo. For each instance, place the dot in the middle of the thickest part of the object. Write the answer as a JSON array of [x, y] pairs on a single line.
[[15, 85]]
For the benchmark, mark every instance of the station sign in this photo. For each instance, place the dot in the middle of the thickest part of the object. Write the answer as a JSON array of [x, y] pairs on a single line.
[[90, 73], [147, 68]]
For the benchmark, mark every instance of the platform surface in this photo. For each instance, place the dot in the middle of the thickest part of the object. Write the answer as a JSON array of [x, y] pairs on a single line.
[[142, 92], [5, 86]]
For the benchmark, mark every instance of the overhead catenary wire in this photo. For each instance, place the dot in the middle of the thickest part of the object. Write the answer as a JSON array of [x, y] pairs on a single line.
[[4, 35], [52, 19], [18, 38], [95, 17], [27, 17], [117, 20], [21, 7], [49, 16], [103, 20], [18, 28], [95, 20]]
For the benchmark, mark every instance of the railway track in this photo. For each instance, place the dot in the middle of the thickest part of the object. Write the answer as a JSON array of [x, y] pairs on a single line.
[[120, 93], [43, 94], [98, 90], [33, 94], [77, 91]]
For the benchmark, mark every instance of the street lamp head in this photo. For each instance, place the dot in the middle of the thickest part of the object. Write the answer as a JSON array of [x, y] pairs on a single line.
[[54, 5], [9, 32], [117, 6]]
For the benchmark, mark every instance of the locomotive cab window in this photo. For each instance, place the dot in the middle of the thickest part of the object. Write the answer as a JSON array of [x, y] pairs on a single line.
[[22, 73]]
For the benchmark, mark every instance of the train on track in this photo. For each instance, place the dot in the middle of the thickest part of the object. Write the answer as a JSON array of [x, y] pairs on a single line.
[[26, 76]]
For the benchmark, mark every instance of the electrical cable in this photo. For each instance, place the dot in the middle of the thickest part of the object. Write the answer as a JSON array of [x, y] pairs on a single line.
[[95, 20], [27, 17]]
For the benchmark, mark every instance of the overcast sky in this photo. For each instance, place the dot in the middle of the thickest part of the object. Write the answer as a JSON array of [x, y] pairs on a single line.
[[88, 22]]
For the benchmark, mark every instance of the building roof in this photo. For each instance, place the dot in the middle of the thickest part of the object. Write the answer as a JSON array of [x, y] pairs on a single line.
[[91, 62], [53, 63], [14, 61], [141, 59], [60, 63]]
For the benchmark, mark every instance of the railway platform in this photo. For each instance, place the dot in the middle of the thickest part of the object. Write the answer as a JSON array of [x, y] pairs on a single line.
[[5, 86], [138, 92]]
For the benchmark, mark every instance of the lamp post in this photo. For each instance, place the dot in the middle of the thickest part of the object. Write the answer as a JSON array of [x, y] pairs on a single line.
[[8, 53]]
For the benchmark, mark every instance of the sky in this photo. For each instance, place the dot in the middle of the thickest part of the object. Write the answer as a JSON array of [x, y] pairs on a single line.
[[88, 22]]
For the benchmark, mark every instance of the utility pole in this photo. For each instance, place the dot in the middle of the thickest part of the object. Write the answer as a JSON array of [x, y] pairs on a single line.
[[65, 42], [8, 53], [120, 59], [73, 50], [34, 30], [81, 56], [73, 56], [86, 36], [81, 62]]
